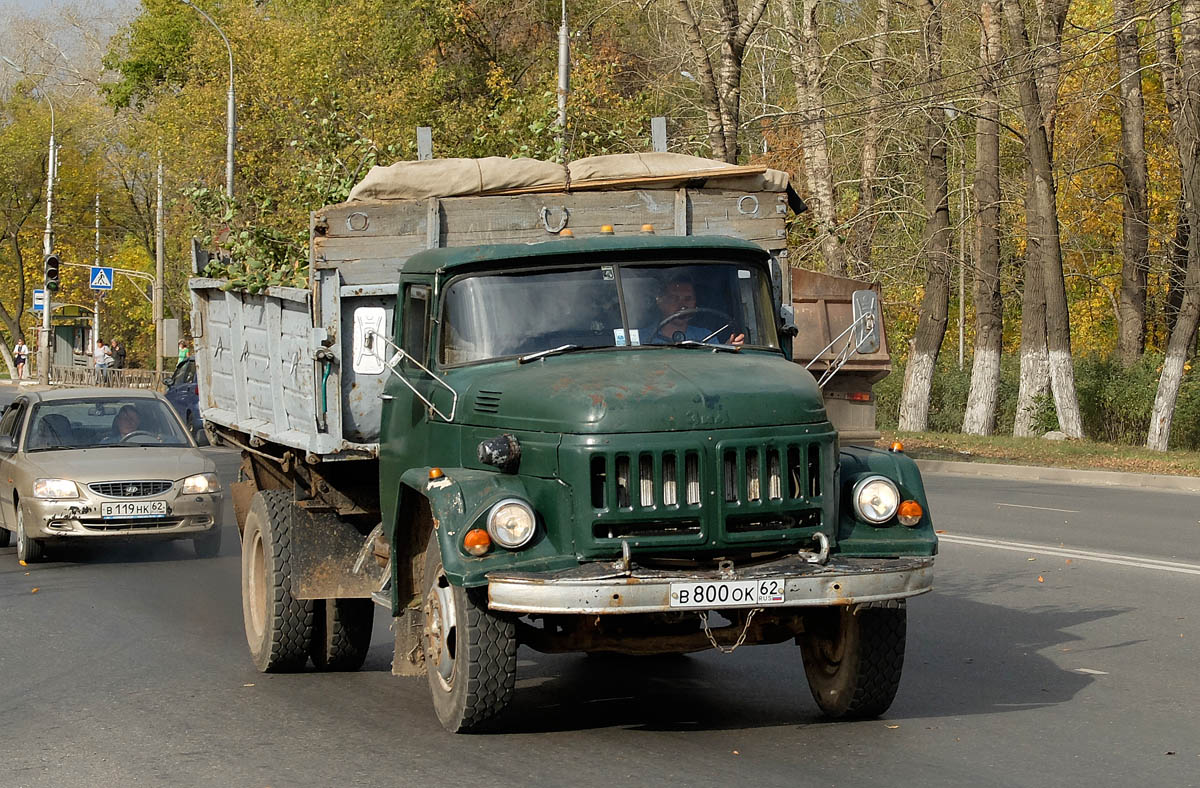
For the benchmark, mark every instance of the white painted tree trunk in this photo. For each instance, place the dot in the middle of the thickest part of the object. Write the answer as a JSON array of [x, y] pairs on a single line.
[[918, 382], [980, 415], [1035, 381]]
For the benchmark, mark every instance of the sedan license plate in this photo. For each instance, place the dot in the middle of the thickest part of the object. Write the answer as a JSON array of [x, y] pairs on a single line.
[[125, 510], [728, 593]]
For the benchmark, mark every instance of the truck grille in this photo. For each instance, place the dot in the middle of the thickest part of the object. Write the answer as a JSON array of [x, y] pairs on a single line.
[[132, 489], [772, 485]]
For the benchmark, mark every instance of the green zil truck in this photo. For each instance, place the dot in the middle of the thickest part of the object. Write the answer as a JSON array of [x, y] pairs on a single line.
[[562, 410]]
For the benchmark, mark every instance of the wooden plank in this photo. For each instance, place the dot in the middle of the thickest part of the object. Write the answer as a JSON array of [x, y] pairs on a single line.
[[681, 212], [335, 250], [370, 219], [433, 224]]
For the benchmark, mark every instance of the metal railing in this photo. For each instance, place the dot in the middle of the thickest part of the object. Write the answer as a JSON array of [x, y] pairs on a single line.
[[107, 378]]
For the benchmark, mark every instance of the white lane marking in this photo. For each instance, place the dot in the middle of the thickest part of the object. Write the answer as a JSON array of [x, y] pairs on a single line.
[[1040, 508], [1085, 555]]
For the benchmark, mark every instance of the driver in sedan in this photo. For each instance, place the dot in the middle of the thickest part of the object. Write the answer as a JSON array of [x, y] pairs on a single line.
[[678, 301], [126, 422]]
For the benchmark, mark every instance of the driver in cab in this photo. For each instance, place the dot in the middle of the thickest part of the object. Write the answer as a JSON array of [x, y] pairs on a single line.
[[677, 306]]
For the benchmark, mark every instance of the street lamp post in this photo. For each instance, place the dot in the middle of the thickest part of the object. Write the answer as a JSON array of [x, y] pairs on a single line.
[[231, 111], [47, 238]]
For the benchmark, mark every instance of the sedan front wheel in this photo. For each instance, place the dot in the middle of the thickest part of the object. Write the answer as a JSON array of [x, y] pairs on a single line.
[[28, 550]]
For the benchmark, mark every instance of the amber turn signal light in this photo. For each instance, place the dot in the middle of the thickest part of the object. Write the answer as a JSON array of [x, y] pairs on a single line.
[[606, 229], [436, 473], [897, 446], [648, 229], [909, 513], [477, 541], [566, 232]]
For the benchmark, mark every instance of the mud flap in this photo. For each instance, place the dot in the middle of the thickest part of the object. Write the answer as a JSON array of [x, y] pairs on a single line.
[[331, 559], [408, 659]]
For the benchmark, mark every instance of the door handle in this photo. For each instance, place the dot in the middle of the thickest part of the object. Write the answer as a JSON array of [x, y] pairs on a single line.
[[386, 397]]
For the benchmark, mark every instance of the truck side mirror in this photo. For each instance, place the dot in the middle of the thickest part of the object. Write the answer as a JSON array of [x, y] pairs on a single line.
[[867, 320], [7, 446]]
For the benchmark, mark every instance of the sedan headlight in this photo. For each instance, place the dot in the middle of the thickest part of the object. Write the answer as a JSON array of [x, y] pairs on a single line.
[[201, 483], [55, 488], [875, 499], [510, 523]]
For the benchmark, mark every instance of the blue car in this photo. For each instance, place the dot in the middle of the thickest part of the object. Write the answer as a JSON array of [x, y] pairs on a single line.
[[184, 395]]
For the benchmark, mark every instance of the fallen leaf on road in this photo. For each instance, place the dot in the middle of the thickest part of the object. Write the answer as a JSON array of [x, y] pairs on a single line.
[[1068, 560], [1031, 559], [22, 563], [33, 590], [893, 727], [247, 685], [939, 532], [735, 752], [1041, 579]]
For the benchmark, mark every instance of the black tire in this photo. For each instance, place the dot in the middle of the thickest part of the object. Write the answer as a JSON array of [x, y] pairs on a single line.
[[853, 659], [28, 550], [341, 633], [279, 627], [208, 545], [5, 537], [475, 681]]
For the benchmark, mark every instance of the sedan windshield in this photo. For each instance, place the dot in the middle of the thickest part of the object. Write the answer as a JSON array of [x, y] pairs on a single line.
[[521, 314], [104, 421]]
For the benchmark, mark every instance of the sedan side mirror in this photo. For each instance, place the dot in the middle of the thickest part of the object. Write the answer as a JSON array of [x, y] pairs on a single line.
[[7, 445]]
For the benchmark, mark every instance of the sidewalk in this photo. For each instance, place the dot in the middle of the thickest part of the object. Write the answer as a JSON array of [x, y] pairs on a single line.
[[1062, 475]]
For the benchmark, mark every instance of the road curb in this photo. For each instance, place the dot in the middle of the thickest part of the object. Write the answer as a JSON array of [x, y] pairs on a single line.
[[1150, 481]]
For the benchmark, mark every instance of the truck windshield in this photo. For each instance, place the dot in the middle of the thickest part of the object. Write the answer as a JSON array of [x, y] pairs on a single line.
[[518, 313]]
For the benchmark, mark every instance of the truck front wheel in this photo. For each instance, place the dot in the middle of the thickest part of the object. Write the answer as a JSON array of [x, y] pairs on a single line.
[[279, 627], [470, 652], [853, 658]]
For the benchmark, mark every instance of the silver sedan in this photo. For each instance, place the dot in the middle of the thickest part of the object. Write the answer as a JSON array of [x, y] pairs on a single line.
[[102, 464]]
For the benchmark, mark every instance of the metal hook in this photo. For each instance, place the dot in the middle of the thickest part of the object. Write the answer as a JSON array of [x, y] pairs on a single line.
[[545, 216]]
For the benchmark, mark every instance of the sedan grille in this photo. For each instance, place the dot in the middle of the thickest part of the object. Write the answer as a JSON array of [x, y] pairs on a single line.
[[132, 489]]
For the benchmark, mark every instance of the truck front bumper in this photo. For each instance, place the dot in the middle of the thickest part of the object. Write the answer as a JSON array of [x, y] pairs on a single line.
[[605, 588]]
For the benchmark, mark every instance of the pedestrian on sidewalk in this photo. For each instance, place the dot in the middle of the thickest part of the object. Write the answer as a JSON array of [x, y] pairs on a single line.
[[21, 356], [103, 360], [183, 352], [118, 354]]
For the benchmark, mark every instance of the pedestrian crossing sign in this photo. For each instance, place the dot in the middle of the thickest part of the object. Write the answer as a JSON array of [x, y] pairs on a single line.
[[101, 278]]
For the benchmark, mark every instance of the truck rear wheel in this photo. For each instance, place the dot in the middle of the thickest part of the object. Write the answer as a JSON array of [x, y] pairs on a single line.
[[279, 627], [853, 659], [341, 633], [470, 652]]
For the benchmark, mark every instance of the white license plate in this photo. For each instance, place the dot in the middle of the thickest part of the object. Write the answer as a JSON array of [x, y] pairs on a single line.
[[124, 510], [729, 593]]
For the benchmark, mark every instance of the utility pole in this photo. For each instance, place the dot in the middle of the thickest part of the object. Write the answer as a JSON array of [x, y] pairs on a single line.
[[564, 82], [159, 350], [47, 250], [96, 313]]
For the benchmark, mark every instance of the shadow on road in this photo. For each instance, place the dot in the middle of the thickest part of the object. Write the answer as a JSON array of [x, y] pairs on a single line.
[[964, 658]]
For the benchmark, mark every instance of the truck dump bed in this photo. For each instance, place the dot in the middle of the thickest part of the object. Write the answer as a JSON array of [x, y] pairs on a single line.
[[277, 365]]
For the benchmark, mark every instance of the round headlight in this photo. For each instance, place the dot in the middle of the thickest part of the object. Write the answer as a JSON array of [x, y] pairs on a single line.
[[875, 499], [511, 523]]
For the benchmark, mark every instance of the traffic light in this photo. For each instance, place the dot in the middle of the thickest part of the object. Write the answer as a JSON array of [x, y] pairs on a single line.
[[52, 265]]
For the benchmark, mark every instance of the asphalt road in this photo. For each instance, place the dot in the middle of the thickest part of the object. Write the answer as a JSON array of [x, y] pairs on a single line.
[[1026, 667]]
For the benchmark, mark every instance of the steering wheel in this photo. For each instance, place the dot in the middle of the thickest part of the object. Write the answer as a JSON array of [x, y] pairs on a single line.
[[725, 317], [125, 438]]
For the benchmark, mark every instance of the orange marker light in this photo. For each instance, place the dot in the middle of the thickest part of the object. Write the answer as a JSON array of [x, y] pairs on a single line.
[[436, 473], [909, 513], [897, 446], [606, 229], [566, 232], [477, 541], [648, 228]]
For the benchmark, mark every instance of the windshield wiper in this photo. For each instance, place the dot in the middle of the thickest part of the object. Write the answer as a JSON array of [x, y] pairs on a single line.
[[548, 352], [707, 345]]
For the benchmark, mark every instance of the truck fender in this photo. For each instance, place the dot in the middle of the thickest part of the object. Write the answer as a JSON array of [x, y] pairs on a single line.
[[446, 507], [859, 538]]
